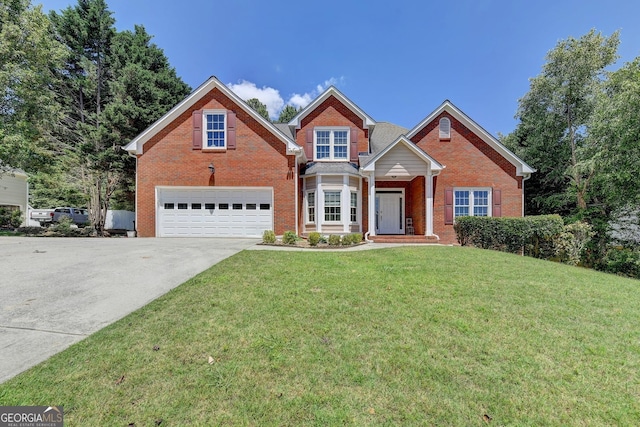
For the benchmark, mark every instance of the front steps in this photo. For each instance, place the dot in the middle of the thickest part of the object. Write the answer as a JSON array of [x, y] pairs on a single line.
[[402, 238]]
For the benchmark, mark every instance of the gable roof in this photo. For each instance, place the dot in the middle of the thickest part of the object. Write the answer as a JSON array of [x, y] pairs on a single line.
[[367, 121], [434, 165], [522, 169], [136, 145]]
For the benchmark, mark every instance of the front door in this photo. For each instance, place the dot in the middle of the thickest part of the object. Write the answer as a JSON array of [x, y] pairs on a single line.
[[389, 209]]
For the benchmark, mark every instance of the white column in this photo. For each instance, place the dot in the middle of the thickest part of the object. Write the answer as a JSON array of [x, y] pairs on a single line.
[[319, 204], [372, 203], [345, 205], [429, 205]]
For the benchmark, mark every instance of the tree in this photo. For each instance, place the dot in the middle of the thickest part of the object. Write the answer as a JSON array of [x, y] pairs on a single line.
[[615, 131], [259, 107], [29, 56], [114, 86], [554, 117], [143, 86], [87, 29], [287, 113]]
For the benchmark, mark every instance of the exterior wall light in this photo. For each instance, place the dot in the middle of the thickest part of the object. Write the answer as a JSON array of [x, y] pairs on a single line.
[[212, 169]]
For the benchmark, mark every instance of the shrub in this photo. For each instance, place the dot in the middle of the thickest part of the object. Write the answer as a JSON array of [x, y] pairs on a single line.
[[268, 237], [314, 238], [10, 218], [351, 239], [571, 242], [334, 240], [623, 261], [534, 234], [289, 237], [63, 225]]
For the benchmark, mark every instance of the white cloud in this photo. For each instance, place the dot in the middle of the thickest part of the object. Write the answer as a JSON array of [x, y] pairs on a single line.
[[267, 95], [302, 100], [272, 99]]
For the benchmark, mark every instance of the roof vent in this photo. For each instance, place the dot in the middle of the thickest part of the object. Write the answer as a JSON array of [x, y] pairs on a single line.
[[445, 128]]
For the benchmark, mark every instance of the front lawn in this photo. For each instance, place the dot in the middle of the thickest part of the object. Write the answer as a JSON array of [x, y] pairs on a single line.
[[404, 336]]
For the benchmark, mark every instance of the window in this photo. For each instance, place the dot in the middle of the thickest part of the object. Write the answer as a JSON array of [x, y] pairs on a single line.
[[251, 206], [182, 205], [214, 129], [354, 207], [237, 206], [471, 202], [265, 206], [210, 206], [332, 206], [311, 206], [168, 205], [445, 128], [196, 205], [332, 144], [223, 206]]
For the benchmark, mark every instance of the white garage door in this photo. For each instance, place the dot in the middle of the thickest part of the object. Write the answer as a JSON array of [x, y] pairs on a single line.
[[214, 212]]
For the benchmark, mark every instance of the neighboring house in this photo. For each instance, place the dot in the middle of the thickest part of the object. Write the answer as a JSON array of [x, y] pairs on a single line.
[[14, 192], [212, 166]]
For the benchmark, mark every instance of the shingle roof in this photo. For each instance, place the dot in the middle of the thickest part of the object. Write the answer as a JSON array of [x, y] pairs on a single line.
[[383, 135], [330, 167]]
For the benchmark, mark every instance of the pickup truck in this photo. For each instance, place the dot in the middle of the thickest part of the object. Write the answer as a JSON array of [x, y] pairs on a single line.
[[43, 216], [77, 215]]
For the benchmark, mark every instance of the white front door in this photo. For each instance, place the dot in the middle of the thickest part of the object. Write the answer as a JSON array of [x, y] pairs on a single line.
[[389, 213]]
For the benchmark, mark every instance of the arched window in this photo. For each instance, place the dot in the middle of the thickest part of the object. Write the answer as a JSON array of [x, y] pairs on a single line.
[[445, 128]]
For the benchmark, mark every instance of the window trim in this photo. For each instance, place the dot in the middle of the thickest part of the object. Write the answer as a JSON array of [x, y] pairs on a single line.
[[338, 207], [205, 114], [353, 207], [472, 203], [332, 130], [309, 219]]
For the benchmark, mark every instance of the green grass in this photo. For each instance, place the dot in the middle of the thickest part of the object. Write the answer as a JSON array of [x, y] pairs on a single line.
[[403, 336]]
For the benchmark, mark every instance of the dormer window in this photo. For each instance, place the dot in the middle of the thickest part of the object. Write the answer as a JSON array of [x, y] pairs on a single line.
[[445, 128], [331, 144]]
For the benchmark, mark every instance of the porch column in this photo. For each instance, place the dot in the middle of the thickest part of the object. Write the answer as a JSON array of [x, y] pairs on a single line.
[[429, 205], [345, 205], [319, 204], [372, 203]]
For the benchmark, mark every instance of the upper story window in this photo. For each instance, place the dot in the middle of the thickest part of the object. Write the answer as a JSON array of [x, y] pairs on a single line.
[[445, 128], [331, 144], [471, 202], [215, 135]]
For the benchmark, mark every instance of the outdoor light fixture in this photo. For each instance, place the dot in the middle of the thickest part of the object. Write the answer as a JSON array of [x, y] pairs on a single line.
[[212, 169]]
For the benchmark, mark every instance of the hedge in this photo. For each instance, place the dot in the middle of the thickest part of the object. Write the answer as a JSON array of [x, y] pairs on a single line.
[[532, 235]]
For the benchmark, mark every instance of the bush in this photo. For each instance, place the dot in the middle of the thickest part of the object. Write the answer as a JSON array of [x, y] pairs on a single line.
[[289, 237], [10, 218], [268, 237], [534, 234], [623, 261], [314, 238], [351, 239], [63, 225], [31, 231], [571, 242], [334, 240]]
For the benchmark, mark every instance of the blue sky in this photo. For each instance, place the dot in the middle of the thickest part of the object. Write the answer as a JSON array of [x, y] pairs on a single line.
[[397, 60]]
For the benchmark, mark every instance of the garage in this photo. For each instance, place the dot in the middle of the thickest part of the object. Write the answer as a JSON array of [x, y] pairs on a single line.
[[214, 212]]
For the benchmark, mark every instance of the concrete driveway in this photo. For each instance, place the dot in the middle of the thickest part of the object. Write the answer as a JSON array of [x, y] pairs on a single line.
[[56, 291]]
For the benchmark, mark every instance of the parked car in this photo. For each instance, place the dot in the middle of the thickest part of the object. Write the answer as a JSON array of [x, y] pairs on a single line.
[[43, 216], [78, 216]]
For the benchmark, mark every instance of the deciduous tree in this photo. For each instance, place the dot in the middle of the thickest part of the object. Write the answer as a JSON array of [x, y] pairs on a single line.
[[554, 117]]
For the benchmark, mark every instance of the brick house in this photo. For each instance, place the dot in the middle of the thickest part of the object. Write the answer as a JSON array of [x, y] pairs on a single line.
[[212, 166]]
